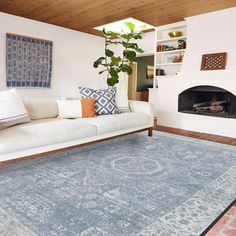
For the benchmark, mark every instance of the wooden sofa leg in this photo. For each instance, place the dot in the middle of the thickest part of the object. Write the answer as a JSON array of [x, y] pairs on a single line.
[[150, 132]]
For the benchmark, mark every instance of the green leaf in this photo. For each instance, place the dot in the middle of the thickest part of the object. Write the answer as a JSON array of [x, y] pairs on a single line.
[[107, 33], [109, 53], [126, 36], [112, 81], [100, 72], [114, 73], [98, 62], [138, 36], [126, 68], [115, 60], [110, 34], [130, 45], [140, 50], [130, 25], [130, 55], [112, 42]]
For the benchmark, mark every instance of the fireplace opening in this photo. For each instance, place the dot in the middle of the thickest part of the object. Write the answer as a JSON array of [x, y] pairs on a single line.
[[209, 101]]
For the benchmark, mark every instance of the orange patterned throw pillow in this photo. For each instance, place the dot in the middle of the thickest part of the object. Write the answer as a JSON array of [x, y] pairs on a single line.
[[88, 109]]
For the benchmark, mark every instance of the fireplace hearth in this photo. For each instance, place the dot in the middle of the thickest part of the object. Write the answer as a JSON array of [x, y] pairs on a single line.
[[209, 101]]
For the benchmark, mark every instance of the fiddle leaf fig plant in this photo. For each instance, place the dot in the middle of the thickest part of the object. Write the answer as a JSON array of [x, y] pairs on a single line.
[[112, 64]]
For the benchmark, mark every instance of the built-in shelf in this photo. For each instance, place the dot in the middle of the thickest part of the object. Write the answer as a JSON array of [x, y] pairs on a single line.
[[165, 76], [169, 64], [171, 51], [171, 39], [163, 61]]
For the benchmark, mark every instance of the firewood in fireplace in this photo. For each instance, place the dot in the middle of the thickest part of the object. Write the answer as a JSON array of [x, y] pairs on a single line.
[[215, 109], [206, 104], [211, 107]]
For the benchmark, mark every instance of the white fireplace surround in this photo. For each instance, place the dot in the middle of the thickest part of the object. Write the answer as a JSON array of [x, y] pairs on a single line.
[[207, 33], [167, 106]]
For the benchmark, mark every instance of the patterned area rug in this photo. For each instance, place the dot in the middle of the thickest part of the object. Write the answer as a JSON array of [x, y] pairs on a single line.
[[133, 185]]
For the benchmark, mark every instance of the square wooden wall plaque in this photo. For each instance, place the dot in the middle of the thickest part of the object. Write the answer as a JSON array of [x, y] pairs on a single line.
[[214, 61]]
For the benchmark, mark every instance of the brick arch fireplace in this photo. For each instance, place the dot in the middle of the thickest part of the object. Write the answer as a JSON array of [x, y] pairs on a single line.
[[207, 100]]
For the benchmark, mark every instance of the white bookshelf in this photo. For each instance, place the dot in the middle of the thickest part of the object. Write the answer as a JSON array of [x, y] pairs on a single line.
[[164, 59], [171, 39], [169, 64], [171, 51]]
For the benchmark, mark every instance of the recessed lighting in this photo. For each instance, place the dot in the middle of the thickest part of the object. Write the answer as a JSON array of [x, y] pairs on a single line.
[[119, 26]]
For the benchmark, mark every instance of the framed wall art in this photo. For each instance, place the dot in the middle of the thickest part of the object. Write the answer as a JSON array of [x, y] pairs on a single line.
[[28, 61]]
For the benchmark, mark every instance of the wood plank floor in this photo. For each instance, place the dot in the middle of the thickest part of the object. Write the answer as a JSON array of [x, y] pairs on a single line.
[[204, 136]]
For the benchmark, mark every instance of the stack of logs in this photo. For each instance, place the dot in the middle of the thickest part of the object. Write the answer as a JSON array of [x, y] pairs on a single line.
[[214, 107]]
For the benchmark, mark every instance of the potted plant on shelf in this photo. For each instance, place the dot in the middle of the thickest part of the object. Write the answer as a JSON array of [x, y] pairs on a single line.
[[114, 65]]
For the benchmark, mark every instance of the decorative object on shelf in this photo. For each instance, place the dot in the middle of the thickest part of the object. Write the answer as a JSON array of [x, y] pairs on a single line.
[[112, 64], [174, 34], [170, 59], [28, 61], [170, 48], [181, 44], [214, 61], [178, 58], [160, 72], [163, 48], [149, 72]]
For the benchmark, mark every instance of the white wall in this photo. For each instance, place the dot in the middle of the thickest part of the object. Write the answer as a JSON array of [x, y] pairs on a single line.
[[209, 33], [73, 55], [147, 43]]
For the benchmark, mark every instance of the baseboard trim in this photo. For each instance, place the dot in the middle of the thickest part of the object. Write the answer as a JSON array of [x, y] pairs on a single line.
[[193, 134]]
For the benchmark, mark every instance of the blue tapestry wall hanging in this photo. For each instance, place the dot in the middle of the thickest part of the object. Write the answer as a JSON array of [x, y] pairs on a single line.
[[28, 61]]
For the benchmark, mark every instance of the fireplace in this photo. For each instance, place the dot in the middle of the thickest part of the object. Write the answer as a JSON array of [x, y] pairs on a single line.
[[209, 101]]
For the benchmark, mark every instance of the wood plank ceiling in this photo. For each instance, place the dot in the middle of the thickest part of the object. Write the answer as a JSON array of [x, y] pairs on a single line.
[[84, 15]]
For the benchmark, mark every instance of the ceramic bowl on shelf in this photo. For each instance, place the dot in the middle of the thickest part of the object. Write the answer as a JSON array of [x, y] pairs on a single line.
[[174, 34]]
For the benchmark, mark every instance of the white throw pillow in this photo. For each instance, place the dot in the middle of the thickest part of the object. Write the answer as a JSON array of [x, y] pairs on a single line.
[[121, 97], [122, 102], [69, 109], [41, 108], [12, 110]]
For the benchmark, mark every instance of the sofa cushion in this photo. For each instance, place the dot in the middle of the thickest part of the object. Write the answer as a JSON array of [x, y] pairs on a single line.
[[41, 108], [112, 123], [12, 110], [44, 132]]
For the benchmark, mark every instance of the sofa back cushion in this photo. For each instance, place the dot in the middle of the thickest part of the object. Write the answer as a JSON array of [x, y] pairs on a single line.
[[41, 108], [12, 110]]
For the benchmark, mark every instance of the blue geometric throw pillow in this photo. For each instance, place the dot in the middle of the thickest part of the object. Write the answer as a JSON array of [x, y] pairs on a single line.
[[104, 99]]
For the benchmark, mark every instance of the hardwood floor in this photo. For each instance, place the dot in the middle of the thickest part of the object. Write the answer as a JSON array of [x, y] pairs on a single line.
[[204, 136]]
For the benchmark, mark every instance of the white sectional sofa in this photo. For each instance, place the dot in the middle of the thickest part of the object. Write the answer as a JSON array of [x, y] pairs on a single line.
[[47, 132]]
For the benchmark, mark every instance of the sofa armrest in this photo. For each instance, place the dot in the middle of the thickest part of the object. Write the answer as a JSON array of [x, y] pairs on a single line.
[[145, 107]]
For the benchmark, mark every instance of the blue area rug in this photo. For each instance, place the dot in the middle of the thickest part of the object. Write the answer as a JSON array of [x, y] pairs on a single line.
[[134, 185]]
